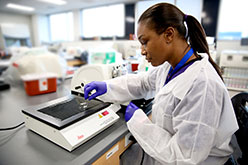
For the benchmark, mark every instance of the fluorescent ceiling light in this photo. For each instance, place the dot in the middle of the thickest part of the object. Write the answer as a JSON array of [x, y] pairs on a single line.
[[56, 2], [19, 7]]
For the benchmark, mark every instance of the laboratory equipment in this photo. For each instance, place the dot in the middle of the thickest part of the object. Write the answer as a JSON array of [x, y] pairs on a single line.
[[104, 56], [14, 35], [96, 72], [234, 65], [66, 122], [71, 121]]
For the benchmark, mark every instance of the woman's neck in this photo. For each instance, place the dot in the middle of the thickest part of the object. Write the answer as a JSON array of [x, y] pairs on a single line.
[[179, 53]]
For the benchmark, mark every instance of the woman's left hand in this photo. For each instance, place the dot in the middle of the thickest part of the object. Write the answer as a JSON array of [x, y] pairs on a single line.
[[131, 108]]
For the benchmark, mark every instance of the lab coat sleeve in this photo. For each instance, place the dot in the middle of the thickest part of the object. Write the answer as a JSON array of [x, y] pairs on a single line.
[[194, 121], [131, 87]]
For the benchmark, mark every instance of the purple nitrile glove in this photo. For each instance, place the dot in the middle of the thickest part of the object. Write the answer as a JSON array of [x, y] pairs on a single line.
[[131, 108], [99, 86]]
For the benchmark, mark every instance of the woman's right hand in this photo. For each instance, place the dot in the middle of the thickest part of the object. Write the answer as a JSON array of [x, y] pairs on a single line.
[[99, 86]]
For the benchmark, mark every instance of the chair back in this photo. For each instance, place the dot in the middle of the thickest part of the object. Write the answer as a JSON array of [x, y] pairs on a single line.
[[239, 102]]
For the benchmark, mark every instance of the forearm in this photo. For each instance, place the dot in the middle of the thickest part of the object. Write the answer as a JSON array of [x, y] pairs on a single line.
[[127, 88]]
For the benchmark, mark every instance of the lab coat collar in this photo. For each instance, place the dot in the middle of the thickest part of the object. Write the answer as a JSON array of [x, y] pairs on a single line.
[[180, 85]]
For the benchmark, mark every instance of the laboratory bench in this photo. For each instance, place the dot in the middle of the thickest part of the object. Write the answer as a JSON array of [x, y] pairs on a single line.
[[23, 147]]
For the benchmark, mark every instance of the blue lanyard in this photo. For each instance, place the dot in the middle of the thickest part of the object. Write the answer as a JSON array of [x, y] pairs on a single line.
[[179, 65]]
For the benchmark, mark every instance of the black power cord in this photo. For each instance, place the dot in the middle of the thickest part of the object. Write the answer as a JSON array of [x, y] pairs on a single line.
[[10, 128]]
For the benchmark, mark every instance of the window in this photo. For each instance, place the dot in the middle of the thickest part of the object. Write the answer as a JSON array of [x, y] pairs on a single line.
[[61, 27], [107, 21], [233, 20]]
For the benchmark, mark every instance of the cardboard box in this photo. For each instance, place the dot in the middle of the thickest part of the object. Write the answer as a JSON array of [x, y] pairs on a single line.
[[39, 83]]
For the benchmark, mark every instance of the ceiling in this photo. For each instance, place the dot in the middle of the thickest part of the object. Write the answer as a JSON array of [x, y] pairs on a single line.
[[46, 8]]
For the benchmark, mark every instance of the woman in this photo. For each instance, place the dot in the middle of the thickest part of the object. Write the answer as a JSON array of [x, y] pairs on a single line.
[[192, 115]]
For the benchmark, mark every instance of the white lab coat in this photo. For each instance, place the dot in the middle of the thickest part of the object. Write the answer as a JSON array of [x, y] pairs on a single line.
[[192, 116]]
